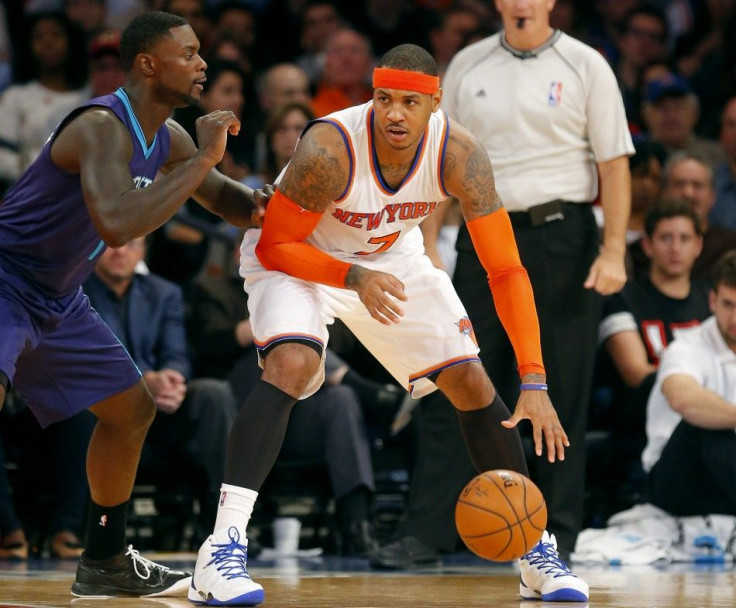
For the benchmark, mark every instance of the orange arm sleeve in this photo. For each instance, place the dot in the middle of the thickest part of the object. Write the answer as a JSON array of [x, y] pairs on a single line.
[[282, 247], [493, 239]]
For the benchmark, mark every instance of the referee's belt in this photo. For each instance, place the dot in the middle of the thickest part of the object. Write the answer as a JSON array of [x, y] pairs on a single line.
[[540, 215]]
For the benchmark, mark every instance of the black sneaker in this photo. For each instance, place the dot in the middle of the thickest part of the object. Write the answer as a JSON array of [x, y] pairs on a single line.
[[406, 553], [128, 574]]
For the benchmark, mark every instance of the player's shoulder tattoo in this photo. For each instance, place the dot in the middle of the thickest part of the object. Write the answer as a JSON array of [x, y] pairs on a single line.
[[318, 171], [469, 170]]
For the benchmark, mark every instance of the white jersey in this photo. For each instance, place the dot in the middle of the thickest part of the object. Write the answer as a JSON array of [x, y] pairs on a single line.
[[371, 223], [375, 226], [565, 115]]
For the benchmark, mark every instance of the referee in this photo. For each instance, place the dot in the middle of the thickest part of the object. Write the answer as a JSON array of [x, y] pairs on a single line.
[[549, 112]]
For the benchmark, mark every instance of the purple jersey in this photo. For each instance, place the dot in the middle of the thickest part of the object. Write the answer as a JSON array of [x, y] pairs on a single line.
[[47, 237]]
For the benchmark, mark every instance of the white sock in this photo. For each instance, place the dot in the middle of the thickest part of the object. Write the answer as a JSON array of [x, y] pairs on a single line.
[[235, 508]]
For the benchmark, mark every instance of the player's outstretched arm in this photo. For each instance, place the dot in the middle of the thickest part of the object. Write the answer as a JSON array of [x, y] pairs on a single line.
[[98, 147], [469, 177], [231, 200]]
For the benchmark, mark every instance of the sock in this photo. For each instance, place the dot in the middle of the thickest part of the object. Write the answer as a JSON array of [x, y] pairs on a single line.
[[257, 435], [490, 445], [235, 508], [105, 530]]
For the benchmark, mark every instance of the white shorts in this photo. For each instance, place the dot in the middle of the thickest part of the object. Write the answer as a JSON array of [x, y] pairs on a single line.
[[435, 332]]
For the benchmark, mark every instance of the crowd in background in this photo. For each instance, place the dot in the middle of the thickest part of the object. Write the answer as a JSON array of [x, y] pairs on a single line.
[[278, 64]]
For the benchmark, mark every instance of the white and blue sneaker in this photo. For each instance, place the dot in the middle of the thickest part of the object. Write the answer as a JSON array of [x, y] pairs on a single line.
[[220, 575], [544, 576]]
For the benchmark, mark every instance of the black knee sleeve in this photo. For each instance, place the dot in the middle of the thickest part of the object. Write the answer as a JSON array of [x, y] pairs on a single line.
[[490, 445]]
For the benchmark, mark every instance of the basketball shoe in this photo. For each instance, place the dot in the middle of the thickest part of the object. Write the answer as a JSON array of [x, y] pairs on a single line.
[[220, 575], [128, 574], [545, 576]]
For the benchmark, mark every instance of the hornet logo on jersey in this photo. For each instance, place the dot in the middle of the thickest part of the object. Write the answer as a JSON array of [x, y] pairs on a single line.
[[554, 98]]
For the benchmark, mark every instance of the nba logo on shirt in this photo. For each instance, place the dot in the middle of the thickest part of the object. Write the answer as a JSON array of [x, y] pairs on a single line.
[[555, 93]]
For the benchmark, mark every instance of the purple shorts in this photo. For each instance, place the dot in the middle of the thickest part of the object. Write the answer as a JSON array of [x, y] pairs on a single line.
[[58, 353]]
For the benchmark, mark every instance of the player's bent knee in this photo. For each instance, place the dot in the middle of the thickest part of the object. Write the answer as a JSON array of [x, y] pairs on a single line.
[[290, 366], [467, 386], [133, 408]]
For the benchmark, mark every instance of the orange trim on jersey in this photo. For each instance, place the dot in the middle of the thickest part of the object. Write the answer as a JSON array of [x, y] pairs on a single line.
[[261, 344], [405, 80], [440, 366], [494, 242], [376, 171], [351, 154]]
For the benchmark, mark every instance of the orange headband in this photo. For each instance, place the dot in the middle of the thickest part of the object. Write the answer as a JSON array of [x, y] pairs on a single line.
[[405, 80]]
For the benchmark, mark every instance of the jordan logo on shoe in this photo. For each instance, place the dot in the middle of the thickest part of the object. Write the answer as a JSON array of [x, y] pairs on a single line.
[[481, 93], [103, 521]]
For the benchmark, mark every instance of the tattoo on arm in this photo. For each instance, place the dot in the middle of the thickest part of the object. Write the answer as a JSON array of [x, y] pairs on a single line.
[[354, 276], [469, 169], [316, 176]]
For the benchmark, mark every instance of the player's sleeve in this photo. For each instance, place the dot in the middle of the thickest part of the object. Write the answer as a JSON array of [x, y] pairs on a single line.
[[282, 245], [494, 241]]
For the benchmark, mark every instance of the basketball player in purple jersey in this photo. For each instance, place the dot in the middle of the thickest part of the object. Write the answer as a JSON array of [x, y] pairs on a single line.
[[93, 186]]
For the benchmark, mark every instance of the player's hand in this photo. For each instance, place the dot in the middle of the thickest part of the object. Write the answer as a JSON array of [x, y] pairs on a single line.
[[536, 407], [261, 196], [212, 130], [168, 388], [607, 274], [379, 292]]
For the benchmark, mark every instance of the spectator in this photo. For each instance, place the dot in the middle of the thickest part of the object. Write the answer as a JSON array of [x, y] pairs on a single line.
[[387, 23], [146, 313], [646, 168], [237, 20], [641, 41], [281, 84], [724, 209], [449, 33], [345, 79], [689, 176], [106, 72], [89, 15], [670, 112], [53, 72], [699, 57], [691, 415], [638, 323], [283, 128], [319, 21]]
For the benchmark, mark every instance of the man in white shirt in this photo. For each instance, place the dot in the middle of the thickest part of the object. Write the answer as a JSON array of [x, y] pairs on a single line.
[[691, 414]]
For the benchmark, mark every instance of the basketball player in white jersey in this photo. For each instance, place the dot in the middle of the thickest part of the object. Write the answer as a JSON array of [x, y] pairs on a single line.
[[340, 239]]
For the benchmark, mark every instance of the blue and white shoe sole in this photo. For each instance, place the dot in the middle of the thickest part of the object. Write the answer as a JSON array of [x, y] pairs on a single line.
[[252, 598], [560, 595]]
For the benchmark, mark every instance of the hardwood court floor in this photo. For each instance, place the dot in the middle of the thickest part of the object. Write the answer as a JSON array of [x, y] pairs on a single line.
[[461, 582]]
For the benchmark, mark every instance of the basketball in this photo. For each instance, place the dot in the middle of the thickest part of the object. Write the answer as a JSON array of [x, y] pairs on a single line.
[[500, 515]]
